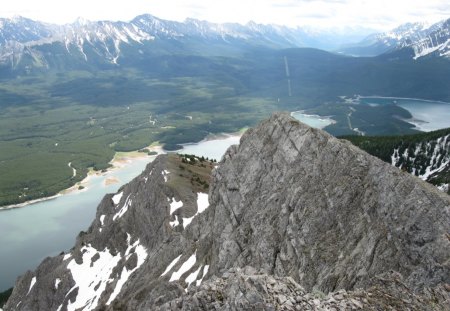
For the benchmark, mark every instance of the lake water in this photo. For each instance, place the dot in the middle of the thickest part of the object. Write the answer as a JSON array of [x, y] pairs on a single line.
[[31, 233], [312, 120], [213, 149], [427, 115]]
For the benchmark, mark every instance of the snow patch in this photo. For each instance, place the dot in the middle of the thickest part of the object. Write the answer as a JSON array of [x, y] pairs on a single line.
[[175, 222], [193, 276], [186, 266], [187, 221], [202, 202], [443, 187], [205, 270], [124, 209], [202, 205], [435, 152], [174, 205], [116, 199], [91, 278], [33, 281], [170, 266], [57, 281], [102, 220], [67, 256], [87, 277], [165, 173], [141, 253]]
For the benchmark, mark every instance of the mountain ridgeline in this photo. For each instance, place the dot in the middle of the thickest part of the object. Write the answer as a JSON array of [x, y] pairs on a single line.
[[294, 219], [80, 92], [27, 45], [426, 155], [414, 40]]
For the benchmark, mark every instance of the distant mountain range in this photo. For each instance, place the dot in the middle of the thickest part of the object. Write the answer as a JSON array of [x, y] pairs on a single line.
[[417, 39], [164, 70], [27, 45]]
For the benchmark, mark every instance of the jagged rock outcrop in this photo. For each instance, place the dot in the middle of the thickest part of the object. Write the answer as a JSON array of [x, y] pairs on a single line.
[[294, 203], [248, 289]]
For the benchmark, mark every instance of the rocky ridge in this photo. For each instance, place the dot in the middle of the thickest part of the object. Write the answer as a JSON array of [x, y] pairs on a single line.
[[289, 205], [418, 39]]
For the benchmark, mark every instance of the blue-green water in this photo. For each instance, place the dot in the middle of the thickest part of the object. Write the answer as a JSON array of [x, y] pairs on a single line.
[[312, 120], [426, 115], [31, 233]]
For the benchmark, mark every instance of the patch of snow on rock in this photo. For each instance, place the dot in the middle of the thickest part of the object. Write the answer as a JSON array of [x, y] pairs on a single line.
[[124, 208], [174, 205], [102, 219], [33, 281], [187, 221], [202, 202], [91, 278], [175, 222], [165, 173], [202, 205], [116, 199], [205, 270], [193, 276], [443, 187], [184, 268], [141, 253], [170, 266]]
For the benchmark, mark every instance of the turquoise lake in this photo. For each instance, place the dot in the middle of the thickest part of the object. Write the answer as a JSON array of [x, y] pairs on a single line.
[[312, 120], [427, 115]]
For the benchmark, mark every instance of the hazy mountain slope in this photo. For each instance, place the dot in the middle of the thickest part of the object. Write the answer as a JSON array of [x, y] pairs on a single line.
[[27, 45], [294, 203], [437, 43], [423, 38]]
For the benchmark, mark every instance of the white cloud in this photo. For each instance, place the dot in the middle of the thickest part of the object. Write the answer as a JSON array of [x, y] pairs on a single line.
[[380, 14]]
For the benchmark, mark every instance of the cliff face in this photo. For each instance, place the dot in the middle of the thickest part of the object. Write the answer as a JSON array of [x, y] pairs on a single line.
[[290, 205]]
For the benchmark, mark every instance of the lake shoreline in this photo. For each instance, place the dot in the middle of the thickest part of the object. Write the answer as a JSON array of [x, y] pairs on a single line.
[[406, 98], [119, 160], [328, 119], [50, 227], [426, 115]]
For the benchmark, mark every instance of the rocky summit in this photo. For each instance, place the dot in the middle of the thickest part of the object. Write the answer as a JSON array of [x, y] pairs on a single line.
[[290, 219]]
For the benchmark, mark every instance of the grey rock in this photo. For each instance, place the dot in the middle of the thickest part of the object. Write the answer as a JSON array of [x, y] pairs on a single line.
[[322, 211], [290, 205]]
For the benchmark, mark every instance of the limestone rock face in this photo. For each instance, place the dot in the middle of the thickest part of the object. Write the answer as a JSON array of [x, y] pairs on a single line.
[[297, 202], [294, 220]]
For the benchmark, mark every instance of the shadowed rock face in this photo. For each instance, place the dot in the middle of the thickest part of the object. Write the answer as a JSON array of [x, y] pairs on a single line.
[[291, 204]]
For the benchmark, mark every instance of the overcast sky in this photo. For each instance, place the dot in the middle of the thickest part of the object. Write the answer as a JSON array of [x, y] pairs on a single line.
[[375, 14]]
